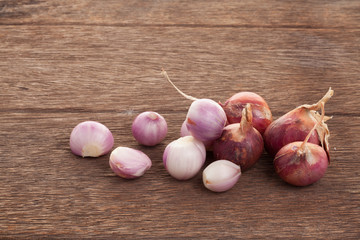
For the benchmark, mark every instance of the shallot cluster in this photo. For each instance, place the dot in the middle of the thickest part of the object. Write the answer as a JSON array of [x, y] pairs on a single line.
[[236, 133], [93, 139], [299, 142], [232, 131]]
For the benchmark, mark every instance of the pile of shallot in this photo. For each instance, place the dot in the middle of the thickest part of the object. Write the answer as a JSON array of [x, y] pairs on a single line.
[[236, 132]]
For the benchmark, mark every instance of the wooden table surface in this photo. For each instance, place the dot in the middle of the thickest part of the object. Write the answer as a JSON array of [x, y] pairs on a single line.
[[63, 62]]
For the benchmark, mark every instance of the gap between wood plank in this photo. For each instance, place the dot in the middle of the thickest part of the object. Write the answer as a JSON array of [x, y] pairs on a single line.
[[180, 25], [131, 112]]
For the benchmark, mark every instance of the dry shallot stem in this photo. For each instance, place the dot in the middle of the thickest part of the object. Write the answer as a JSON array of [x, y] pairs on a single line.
[[317, 105], [246, 119], [163, 72], [302, 146]]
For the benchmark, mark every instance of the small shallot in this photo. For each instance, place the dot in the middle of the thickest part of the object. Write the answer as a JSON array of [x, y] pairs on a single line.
[[205, 118], [91, 139], [184, 157], [129, 163], [221, 175], [149, 128]]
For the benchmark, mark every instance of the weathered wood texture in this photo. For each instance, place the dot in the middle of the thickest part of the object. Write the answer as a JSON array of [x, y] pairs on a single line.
[[258, 13], [63, 62]]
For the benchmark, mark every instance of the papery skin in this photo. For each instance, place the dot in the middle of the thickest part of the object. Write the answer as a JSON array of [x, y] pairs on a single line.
[[184, 157], [205, 120], [129, 163], [91, 139], [149, 128], [262, 116], [221, 175], [243, 148], [291, 127], [296, 124], [301, 167], [240, 143]]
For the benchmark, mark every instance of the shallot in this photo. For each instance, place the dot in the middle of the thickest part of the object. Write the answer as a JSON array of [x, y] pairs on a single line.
[[295, 126], [91, 139], [149, 128], [221, 175], [128, 162], [184, 157], [262, 116], [205, 118], [302, 163], [240, 142]]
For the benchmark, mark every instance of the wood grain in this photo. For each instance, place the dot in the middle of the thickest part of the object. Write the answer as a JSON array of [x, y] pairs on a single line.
[[85, 59], [63, 62], [248, 13], [46, 191]]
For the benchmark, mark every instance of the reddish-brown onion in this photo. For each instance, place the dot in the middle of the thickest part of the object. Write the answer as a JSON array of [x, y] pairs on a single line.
[[233, 107], [240, 142], [295, 126], [301, 163], [301, 167]]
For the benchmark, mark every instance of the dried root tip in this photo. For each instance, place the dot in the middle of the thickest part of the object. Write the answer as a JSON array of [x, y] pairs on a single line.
[[163, 72]]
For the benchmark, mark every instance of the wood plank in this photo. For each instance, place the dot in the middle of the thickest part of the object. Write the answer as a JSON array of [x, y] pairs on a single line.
[[249, 13], [107, 69], [63, 62], [47, 191]]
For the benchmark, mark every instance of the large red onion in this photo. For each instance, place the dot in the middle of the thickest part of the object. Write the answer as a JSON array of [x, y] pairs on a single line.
[[233, 107], [240, 142], [301, 163], [301, 166], [295, 126]]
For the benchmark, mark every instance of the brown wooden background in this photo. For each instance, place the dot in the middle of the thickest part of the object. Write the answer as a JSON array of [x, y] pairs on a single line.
[[63, 62]]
